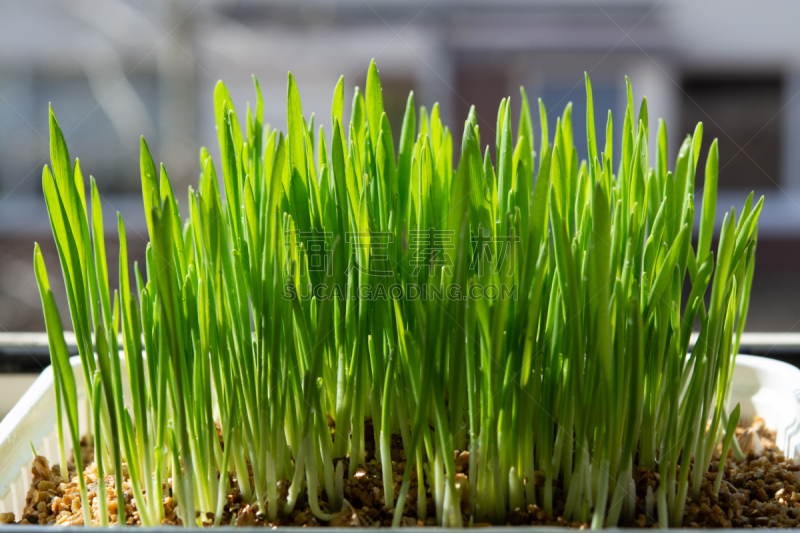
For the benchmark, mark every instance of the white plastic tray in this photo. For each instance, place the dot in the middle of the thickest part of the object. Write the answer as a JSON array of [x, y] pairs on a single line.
[[763, 386], [32, 421]]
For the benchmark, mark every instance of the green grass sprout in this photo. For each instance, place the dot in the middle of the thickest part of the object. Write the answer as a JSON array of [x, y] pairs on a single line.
[[322, 289]]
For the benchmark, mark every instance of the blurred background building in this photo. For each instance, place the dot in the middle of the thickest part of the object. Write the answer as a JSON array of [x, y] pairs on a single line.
[[114, 70]]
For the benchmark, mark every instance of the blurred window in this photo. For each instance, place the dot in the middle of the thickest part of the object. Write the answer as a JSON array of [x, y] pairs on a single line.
[[744, 112], [481, 83], [109, 154], [395, 96], [604, 98]]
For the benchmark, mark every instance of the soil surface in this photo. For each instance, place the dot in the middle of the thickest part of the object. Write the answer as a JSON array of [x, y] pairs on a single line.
[[761, 491]]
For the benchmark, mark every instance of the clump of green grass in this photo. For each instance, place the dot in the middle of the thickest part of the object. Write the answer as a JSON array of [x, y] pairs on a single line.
[[532, 310]]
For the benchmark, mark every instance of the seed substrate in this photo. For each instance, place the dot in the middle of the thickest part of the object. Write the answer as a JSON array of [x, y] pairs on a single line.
[[761, 491]]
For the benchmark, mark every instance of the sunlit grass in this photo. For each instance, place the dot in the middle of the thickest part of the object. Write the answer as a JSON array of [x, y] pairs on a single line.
[[577, 369]]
